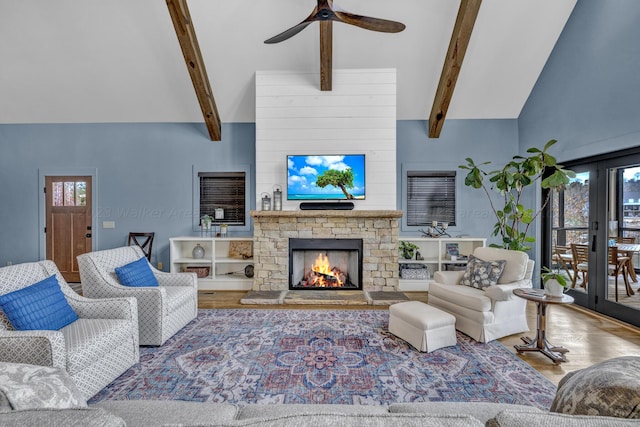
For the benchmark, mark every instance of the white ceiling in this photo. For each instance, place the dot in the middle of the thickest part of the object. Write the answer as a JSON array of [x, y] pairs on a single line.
[[71, 61]]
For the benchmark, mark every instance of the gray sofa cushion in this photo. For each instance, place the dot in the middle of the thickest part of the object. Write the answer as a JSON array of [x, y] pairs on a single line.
[[80, 417], [140, 413], [266, 411], [548, 419], [482, 411], [608, 388], [355, 420]]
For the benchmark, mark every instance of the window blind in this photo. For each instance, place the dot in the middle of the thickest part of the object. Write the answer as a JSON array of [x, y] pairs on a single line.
[[431, 196], [224, 190]]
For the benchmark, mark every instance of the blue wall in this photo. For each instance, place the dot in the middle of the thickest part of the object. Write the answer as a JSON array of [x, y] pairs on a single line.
[[588, 95], [144, 174], [494, 141], [143, 178]]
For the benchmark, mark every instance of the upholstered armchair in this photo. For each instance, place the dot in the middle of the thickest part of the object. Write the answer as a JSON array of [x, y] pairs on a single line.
[[490, 312], [95, 349], [163, 309]]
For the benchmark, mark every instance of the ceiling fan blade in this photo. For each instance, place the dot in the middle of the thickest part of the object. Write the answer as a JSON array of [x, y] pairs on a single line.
[[288, 33], [368, 23]]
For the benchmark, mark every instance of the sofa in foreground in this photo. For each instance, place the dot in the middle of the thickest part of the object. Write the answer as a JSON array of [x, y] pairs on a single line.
[[606, 394]]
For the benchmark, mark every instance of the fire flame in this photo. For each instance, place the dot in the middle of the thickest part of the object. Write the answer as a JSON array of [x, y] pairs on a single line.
[[328, 277]]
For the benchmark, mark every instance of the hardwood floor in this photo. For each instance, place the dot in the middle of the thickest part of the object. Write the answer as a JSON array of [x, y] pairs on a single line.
[[590, 337]]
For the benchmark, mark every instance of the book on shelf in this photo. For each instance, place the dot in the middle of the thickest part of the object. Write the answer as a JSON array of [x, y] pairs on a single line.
[[452, 251]]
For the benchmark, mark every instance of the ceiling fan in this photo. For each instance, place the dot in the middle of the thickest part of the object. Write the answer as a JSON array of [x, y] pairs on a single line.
[[325, 13]]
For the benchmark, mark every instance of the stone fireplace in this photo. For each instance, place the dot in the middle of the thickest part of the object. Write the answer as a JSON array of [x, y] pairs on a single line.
[[376, 229], [325, 264]]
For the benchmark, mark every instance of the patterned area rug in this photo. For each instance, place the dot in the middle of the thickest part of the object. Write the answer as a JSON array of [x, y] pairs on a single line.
[[321, 356]]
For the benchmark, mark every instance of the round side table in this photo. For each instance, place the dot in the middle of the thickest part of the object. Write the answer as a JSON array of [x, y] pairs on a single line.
[[540, 343]]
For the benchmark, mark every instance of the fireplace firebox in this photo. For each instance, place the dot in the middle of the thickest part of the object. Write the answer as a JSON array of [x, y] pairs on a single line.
[[325, 264]]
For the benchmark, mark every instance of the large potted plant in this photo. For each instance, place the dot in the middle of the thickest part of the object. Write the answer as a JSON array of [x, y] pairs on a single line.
[[513, 218]]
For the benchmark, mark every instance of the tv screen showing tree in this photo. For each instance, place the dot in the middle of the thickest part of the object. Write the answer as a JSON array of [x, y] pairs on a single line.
[[335, 177]]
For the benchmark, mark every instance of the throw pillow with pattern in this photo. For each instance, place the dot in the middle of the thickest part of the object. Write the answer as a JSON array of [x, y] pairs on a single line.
[[481, 274], [609, 388], [32, 387]]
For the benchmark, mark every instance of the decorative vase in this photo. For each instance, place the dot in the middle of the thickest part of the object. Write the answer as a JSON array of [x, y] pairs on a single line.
[[553, 288], [198, 251]]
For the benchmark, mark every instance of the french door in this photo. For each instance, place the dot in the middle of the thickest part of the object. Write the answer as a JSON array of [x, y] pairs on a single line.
[[598, 213]]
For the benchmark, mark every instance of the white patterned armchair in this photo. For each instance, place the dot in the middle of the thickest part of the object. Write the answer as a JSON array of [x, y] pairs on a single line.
[[494, 311], [162, 310], [94, 350]]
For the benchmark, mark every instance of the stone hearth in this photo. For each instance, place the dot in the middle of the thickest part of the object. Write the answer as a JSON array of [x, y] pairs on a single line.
[[377, 228]]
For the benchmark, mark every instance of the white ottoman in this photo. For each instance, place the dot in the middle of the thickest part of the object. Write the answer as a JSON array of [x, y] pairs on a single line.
[[424, 327]]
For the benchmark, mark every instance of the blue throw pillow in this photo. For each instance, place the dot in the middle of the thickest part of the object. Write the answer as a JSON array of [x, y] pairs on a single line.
[[136, 274], [41, 306]]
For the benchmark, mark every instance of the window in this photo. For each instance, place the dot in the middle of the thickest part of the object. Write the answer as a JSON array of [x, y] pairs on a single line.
[[431, 196], [226, 191]]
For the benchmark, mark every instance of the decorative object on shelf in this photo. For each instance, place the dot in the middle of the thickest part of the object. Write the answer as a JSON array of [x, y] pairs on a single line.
[[205, 223], [241, 249], [436, 230], [223, 230], [266, 202], [554, 282], [407, 249], [414, 272], [218, 213], [248, 271], [197, 252], [513, 219], [277, 198], [201, 271]]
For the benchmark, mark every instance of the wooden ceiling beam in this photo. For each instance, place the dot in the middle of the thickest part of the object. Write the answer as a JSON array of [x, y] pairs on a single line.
[[467, 14], [326, 55], [186, 33]]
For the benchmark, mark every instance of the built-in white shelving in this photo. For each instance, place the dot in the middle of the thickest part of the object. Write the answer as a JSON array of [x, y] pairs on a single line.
[[433, 251], [225, 272]]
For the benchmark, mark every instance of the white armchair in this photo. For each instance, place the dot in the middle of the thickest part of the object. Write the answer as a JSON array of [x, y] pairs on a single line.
[[162, 310], [94, 350], [490, 313]]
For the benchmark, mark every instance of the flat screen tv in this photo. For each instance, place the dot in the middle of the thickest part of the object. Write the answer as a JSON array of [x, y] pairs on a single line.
[[335, 177]]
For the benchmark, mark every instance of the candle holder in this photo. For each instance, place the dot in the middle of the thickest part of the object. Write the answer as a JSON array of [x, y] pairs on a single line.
[[436, 230]]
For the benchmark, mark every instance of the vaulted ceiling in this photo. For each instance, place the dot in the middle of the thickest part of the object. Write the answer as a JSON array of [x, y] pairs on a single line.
[[74, 61]]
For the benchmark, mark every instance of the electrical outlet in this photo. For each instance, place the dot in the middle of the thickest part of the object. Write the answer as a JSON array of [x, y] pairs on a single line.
[[159, 266]]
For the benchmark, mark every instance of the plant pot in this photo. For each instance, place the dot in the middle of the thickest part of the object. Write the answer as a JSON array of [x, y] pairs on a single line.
[[553, 288], [407, 254]]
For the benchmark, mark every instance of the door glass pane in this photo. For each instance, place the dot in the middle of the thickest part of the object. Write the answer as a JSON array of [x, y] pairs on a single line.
[[81, 193], [570, 222], [69, 193], [631, 202], [624, 232], [57, 192]]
